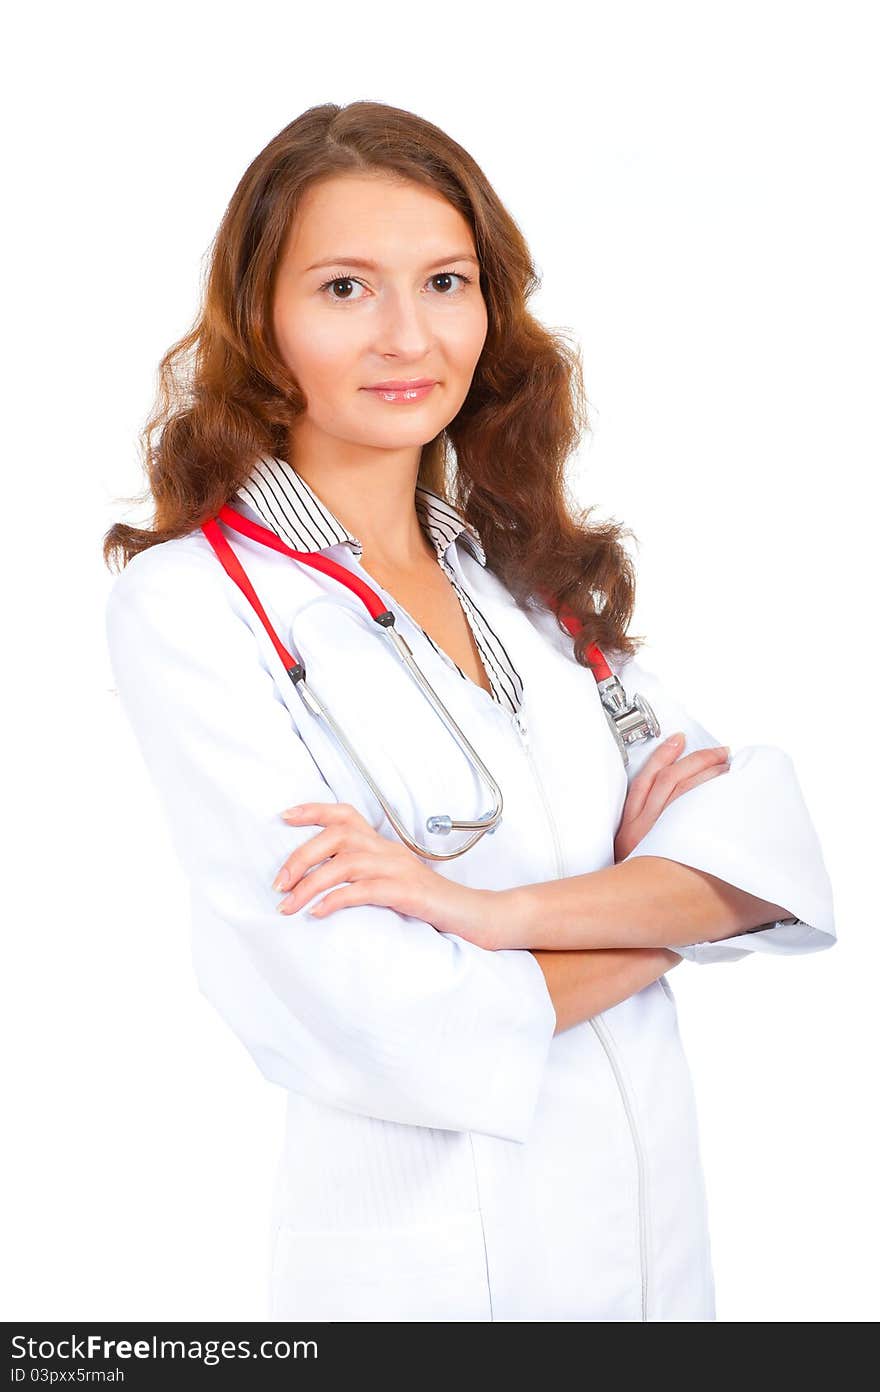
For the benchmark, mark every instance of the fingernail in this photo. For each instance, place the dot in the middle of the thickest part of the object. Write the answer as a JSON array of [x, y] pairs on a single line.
[[675, 739], [282, 880]]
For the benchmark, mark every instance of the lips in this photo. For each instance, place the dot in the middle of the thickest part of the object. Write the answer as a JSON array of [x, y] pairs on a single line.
[[403, 392], [402, 385]]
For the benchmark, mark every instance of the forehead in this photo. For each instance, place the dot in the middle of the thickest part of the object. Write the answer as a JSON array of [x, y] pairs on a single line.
[[377, 217]]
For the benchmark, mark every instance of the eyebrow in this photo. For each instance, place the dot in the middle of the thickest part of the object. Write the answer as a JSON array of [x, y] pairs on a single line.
[[374, 266]]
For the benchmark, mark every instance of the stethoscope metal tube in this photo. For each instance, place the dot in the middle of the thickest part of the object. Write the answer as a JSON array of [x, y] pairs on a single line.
[[629, 721], [440, 823]]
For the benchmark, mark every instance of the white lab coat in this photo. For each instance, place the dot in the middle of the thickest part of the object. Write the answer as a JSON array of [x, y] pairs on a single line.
[[446, 1156]]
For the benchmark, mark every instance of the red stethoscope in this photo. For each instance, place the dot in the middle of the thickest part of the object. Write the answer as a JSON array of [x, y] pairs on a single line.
[[629, 721]]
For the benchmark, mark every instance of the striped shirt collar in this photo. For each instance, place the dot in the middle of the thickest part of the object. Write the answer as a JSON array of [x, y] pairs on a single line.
[[293, 510]]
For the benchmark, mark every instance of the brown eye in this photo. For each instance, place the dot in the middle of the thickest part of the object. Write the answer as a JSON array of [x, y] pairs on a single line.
[[347, 284], [345, 281], [452, 275]]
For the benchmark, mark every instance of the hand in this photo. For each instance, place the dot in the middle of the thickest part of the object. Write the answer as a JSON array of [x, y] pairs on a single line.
[[662, 779], [379, 871]]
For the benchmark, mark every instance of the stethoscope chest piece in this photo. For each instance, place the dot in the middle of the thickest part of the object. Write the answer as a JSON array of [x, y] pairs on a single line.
[[630, 721]]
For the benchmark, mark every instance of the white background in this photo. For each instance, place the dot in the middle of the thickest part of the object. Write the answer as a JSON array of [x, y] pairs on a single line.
[[698, 183]]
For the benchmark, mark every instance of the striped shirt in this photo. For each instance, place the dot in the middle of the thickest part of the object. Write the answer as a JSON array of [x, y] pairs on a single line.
[[292, 509]]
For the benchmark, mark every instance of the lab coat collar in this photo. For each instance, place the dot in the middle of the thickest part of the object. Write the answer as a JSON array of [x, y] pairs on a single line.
[[293, 510]]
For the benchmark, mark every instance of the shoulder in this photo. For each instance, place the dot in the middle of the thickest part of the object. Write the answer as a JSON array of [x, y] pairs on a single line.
[[168, 566], [177, 594], [186, 573], [175, 590]]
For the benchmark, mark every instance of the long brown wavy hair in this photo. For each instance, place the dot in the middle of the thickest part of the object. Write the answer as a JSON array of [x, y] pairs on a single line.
[[225, 397]]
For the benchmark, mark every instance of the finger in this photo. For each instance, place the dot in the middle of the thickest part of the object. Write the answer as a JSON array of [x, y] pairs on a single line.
[[384, 893], [324, 814], [641, 784], [668, 779], [700, 759], [334, 871], [698, 778], [316, 849]]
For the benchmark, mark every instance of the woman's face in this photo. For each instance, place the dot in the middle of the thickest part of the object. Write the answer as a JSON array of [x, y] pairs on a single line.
[[415, 311]]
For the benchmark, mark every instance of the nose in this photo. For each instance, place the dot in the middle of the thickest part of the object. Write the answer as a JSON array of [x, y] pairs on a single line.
[[403, 328]]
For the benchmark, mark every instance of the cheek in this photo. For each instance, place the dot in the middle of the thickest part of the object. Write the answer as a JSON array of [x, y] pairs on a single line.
[[465, 337], [317, 348]]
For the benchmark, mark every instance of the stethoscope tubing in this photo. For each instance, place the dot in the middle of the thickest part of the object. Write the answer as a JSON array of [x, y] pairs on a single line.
[[295, 668], [629, 721]]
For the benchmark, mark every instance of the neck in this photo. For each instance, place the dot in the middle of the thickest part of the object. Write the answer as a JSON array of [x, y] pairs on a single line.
[[372, 492]]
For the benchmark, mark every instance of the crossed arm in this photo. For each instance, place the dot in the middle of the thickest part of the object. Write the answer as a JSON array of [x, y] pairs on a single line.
[[639, 902], [598, 937]]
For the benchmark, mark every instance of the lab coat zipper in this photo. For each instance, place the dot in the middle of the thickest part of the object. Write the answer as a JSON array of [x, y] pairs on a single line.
[[522, 729], [602, 1032]]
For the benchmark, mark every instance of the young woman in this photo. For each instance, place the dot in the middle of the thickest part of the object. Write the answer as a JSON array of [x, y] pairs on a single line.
[[490, 1116]]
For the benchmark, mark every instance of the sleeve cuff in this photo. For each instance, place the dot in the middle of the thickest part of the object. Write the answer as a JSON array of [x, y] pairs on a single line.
[[783, 938], [516, 1085], [750, 827]]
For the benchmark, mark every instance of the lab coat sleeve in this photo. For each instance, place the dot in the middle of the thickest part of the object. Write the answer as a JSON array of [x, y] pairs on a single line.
[[749, 827], [367, 1010]]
